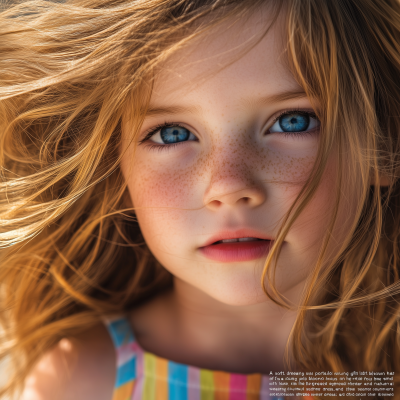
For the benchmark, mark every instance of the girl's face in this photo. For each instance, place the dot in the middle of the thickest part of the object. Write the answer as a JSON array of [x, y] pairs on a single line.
[[228, 164]]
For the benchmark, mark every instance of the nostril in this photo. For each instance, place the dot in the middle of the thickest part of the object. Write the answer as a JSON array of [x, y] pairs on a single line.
[[251, 197]]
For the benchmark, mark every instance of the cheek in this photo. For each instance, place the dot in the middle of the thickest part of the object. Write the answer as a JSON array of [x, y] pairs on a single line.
[[313, 220], [163, 195], [302, 243], [160, 185], [309, 229], [290, 161]]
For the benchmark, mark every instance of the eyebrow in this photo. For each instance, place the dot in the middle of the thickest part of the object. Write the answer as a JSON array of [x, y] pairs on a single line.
[[282, 96], [170, 110], [274, 98]]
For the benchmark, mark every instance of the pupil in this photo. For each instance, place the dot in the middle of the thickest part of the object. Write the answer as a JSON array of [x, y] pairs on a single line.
[[174, 134], [294, 122]]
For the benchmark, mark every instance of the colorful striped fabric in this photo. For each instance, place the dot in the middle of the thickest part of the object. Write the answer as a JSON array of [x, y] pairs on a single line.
[[144, 376]]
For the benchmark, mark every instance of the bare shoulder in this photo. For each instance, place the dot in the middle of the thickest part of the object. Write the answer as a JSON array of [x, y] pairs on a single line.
[[79, 368]]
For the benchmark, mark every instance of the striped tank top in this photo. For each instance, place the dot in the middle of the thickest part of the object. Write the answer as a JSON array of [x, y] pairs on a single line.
[[144, 376]]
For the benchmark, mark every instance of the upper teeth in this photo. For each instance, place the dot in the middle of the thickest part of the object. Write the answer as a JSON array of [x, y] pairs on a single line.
[[246, 239]]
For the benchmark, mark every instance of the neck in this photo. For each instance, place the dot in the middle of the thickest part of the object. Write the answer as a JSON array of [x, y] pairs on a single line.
[[198, 330], [254, 334]]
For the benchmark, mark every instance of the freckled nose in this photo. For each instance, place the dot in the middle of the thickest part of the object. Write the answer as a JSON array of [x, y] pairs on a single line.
[[250, 197], [234, 178], [233, 191]]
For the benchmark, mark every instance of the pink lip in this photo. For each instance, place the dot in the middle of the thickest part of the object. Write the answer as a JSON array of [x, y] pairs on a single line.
[[239, 233], [236, 251]]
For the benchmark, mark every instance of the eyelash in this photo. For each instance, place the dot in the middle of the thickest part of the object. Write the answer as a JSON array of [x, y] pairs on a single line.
[[301, 112], [159, 147], [154, 130]]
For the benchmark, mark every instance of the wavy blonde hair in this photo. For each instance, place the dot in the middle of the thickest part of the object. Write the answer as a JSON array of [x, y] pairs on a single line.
[[69, 72]]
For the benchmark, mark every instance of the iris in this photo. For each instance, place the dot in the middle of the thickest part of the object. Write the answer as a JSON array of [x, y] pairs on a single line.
[[174, 134], [294, 122]]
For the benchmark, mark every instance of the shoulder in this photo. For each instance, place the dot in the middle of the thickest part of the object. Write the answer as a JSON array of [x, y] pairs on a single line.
[[82, 367]]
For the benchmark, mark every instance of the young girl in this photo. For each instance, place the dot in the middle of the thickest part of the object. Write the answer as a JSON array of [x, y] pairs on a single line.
[[197, 194]]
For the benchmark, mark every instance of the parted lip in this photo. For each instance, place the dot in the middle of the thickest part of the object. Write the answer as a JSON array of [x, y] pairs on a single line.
[[236, 234]]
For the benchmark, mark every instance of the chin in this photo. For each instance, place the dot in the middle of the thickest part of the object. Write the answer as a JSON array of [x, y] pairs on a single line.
[[234, 297]]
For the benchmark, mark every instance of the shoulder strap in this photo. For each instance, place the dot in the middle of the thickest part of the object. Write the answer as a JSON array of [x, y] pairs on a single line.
[[124, 342]]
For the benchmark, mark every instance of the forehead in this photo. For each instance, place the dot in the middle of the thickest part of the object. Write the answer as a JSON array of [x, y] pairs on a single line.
[[236, 59]]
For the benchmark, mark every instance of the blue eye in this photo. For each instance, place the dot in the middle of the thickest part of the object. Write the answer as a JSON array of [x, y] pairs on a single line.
[[174, 134], [171, 135], [295, 122]]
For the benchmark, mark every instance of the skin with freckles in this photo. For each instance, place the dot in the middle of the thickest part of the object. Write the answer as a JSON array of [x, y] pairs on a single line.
[[235, 170]]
